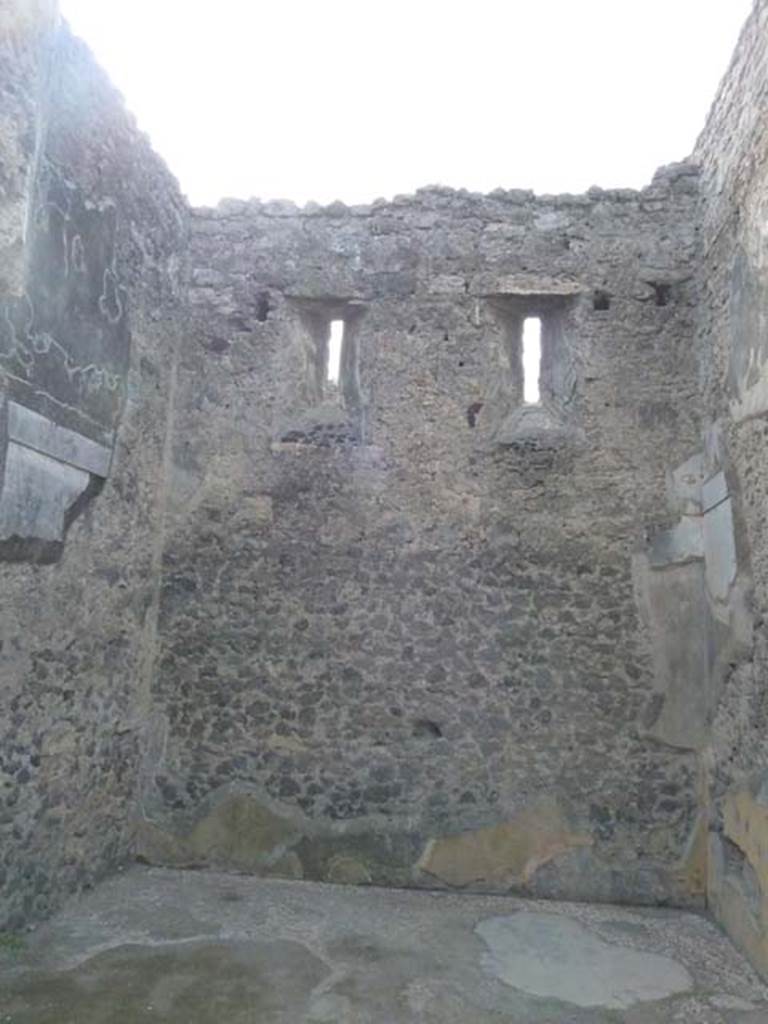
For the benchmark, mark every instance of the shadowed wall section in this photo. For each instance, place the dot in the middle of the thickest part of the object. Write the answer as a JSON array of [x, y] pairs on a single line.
[[92, 230]]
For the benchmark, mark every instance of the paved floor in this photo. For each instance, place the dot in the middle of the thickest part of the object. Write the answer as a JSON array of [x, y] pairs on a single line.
[[199, 948]]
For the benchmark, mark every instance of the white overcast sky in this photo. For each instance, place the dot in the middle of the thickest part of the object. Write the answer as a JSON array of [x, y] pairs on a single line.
[[354, 99]]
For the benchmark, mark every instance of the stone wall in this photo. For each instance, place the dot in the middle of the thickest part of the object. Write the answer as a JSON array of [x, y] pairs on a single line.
[[92, 236], [24, 33], [400, 635], [401, 628], [733, 350]]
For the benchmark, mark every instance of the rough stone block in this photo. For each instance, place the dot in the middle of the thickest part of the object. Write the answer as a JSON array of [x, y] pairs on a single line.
[[684, 542], [523, 285], [738, 871], [537, 426], [37, 493], [35, 431], [684, 485], [47, 469], [677, 616], [713, 491], [720, 550]]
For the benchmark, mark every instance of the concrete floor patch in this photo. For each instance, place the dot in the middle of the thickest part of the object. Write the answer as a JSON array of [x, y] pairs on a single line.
[[556, 957]]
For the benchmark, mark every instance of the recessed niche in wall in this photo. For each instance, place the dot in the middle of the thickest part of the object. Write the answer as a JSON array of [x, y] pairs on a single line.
[[330, 410], [533, 383]]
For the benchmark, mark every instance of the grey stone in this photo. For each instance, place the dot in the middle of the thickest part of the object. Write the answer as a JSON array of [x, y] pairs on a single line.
[[37, 493], [720, 549], [46, 470], [713, 492], [685, 485], [683, 543], [35, 431], [537, 426]]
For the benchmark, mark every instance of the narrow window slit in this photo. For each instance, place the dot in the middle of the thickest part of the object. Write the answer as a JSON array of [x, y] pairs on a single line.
[[531, 359], [335, 338]]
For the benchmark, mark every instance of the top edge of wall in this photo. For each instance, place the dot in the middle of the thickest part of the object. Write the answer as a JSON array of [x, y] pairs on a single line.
[[748, 32], [664, 180]]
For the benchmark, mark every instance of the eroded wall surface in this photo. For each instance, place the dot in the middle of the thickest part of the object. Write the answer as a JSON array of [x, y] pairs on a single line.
[[400, 635], [411, 629], [733, 340], [92, 231]]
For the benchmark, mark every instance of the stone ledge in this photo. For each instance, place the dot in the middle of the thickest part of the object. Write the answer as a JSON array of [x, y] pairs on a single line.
[[45, 472], [29, 428], [536, 426]]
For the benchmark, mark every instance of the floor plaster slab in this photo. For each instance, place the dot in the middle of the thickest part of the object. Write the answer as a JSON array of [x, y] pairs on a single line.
[[523, 948], [198, 947]]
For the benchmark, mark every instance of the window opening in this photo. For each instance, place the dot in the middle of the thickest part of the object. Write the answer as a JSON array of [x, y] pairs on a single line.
[[333, 370], [531, 359]]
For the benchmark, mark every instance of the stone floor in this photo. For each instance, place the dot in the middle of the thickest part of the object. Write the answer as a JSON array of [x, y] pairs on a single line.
[[194, 947]]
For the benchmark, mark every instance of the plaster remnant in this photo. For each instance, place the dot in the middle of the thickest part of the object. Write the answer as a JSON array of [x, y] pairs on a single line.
[[506, 854], [559, 958]]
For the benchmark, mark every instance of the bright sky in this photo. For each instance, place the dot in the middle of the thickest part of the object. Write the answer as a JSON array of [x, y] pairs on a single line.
[[354, 99]]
